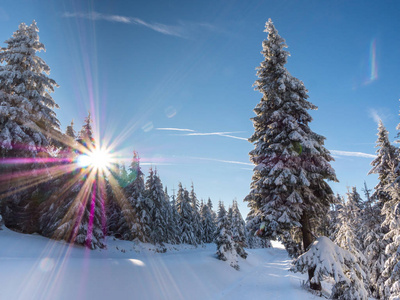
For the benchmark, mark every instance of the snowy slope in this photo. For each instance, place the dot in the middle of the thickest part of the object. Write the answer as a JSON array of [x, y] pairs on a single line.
[[33, 267]]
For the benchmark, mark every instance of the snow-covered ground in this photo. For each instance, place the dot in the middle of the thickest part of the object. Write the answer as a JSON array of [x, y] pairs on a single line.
[[33, 267]]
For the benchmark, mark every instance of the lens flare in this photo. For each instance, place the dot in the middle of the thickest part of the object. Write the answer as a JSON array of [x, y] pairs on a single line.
[[373, 66], [98, 159]]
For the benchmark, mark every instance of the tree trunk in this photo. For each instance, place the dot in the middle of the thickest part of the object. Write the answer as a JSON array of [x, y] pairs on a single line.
[[307, 240]]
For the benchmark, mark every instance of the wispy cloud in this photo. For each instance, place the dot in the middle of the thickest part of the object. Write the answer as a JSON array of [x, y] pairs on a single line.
[[181, 29], [175, 129], [223, 161], [225, 134], [374, 115], [196, 133], [380, 114], [353, 154], [155, 164]]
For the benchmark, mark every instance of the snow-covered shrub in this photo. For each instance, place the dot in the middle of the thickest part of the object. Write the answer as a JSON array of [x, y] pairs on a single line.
[[328, 259]]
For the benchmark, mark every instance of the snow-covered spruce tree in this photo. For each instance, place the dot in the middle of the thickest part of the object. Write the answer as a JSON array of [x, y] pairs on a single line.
[[213, 213], [172, 216], [345, 236], [68, 143], [27, 117], [85, 136], [391, 273], [135, 220], [27, 123], [226, 246], [386, 157], [70, 131], [328, 259], [155, 193], [208, 224], [355, 213], [196, 219], [238, 230], [185, 211], [291, 163], [123, 176], [373, 243]]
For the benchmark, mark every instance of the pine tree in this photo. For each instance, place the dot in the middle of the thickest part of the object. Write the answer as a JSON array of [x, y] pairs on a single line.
[[70, 131], [288, 187], [391, 210], [27, 124], [208, 224], [385, 159], [238, 230], [154, 192], [123, 178], [347, 225], [135, 220], [210, 206], [27, 117], [196, 219], [172, 218], [226, 246], [374, 243], [85, 136], [185, 211]]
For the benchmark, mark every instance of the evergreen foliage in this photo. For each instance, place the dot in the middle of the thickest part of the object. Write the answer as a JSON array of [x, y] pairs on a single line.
[[196, 221], [238, 228], [226, 246], [288, 186], [208, 224], [155, 194], [327, 259], [27, 124], [385, 160], [185, 211], [85, 136], [27, 117]]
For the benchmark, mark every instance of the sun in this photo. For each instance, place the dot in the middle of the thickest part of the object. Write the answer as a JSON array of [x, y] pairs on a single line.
[[98, 159]]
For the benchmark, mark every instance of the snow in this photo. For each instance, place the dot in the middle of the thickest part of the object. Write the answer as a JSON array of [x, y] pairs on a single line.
[[33, 267]]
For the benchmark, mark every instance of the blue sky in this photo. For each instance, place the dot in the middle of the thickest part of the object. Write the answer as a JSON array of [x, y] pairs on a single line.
[[142, 67]]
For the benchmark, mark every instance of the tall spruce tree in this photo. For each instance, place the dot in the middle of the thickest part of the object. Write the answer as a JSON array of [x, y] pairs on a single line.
[[208, 224], [135, 220], [288, 187], [172, 230], [27, 117], [154, 192], [391, 210], [238, 228], [196, 219], [386, 158], [27, 124], [185, 211]]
